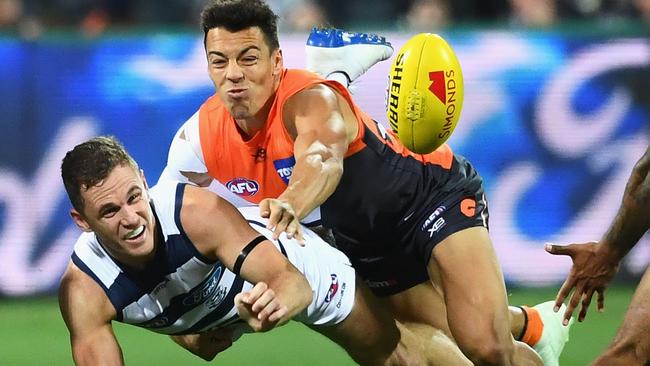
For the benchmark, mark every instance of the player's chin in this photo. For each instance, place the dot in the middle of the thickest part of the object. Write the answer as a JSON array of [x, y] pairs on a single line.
[[239, 111]]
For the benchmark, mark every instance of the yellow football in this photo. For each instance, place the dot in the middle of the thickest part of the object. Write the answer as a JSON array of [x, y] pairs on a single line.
[[425, 93]]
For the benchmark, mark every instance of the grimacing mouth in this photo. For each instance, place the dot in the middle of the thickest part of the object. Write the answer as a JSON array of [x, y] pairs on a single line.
[[134, 233]]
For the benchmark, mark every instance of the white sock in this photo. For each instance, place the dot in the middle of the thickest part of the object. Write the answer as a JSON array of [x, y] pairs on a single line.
[[340, 77]]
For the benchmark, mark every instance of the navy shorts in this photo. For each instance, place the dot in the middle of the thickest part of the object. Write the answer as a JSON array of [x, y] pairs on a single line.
[[392, 265]]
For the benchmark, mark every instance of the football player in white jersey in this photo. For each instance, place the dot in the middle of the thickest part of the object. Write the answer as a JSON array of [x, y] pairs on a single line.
[[180, 260]]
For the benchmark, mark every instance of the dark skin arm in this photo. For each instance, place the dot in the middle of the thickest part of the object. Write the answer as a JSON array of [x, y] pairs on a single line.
[[322, 125], [596, 263]]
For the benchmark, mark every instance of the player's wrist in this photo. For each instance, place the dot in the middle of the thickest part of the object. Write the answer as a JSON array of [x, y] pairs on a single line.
[[609, 253]]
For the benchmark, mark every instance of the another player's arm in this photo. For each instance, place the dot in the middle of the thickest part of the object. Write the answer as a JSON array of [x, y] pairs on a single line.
[[87, 313], [633, 217], [220, 232], [315, 119], [596, 263]]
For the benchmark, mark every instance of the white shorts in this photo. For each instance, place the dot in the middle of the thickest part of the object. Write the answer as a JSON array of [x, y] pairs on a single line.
[[328, 271]]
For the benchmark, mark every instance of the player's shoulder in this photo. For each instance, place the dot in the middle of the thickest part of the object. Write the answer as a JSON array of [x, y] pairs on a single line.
[[318, 92], [191, 204], [296, 81], [79, 293], [83, 304], [74, 280]]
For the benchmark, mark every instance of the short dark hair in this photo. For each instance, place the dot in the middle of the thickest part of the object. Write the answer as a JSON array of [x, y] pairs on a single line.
[[236, 15], [91, 162]]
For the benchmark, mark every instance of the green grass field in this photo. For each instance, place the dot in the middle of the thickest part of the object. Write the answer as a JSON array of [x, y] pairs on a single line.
[[32, 333]]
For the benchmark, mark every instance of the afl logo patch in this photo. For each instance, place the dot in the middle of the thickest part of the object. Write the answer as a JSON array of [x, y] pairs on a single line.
[[243, 187], [334, 288]]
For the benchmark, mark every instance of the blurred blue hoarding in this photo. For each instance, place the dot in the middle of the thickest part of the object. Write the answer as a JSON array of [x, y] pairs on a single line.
[[553, 122]]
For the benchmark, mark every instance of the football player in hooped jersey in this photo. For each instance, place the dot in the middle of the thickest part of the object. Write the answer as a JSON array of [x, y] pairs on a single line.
[[179, 260], [414, 226]]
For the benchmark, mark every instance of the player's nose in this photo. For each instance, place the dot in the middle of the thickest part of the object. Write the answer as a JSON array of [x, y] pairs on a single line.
[[130, 217], [234, 72]]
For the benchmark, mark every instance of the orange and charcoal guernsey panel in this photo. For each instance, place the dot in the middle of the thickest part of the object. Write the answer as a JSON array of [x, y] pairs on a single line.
[[261, 167]]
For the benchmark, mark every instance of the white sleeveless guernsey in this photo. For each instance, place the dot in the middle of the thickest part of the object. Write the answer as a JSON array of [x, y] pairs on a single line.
[[182, 292]]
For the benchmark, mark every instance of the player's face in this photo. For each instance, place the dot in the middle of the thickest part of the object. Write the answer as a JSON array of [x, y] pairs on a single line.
[[244, 71], [118, 211]]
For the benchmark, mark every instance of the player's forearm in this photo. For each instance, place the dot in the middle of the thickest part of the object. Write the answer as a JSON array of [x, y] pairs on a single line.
[[633, 217], [313, 180]]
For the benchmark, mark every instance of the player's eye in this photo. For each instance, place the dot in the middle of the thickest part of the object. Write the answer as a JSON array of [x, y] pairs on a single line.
[[134, 197], [249, 60], [110, 212], [218, 63]]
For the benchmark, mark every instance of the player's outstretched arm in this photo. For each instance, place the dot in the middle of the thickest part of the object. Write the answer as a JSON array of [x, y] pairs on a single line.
[[221, 233], [315, 119], [596, 263], [87, 313], [207, 344]]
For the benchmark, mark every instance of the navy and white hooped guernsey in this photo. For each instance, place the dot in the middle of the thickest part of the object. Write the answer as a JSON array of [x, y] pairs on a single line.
[[183, 292]]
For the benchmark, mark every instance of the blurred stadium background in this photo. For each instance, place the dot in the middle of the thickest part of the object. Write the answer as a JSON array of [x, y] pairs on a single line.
[[555, 115]]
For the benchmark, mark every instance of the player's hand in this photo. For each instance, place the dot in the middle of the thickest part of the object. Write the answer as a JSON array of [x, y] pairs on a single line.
[[282, 218], [593, 268], [260, 308]]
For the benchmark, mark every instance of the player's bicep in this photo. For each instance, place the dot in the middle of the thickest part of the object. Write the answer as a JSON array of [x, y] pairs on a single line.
[[317, 123], [87, 313], [220, 232], [215, 227]]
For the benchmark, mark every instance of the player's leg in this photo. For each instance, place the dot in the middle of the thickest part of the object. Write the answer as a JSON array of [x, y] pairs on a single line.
[[475, 295], [423, 304], [372, 337], [538, 326], [631, 346]]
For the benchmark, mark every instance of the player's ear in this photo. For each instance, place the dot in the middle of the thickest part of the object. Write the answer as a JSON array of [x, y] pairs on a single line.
[[278, 62], [79, 220]]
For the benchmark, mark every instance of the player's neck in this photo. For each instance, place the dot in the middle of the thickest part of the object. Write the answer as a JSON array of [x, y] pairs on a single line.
[[249, 127]]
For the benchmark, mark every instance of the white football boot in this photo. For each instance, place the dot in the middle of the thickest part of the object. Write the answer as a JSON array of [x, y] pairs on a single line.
[[330, 51], [554, 336]]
